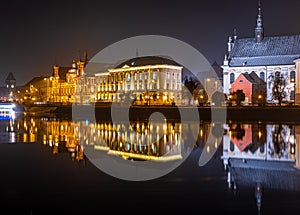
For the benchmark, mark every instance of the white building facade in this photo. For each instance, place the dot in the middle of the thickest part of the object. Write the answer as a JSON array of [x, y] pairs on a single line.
[[148, 80], [269, 57]]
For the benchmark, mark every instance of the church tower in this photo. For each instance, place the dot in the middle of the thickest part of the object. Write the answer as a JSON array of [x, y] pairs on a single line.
[[10, 81], [259, 29]]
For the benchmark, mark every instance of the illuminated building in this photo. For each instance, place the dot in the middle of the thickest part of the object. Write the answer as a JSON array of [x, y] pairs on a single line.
[[8, 93], [253, 87], [149, 80], [271, 58], [65, 79]]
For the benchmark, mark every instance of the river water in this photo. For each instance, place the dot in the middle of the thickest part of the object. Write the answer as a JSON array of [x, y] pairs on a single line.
[[54, 165]]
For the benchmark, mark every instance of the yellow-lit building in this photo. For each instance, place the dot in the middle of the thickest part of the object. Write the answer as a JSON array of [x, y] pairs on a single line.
[[64, 80], [151, 80]]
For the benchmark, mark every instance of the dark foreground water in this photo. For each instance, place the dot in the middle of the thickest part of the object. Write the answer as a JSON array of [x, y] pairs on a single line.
[[41, 177]]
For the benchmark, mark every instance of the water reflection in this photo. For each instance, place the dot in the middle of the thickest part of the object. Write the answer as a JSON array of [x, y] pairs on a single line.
[[259, 155], [160, 141], [262, 156], [140, 141]]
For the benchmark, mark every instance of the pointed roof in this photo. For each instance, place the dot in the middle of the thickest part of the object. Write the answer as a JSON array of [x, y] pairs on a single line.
[[10, 77]]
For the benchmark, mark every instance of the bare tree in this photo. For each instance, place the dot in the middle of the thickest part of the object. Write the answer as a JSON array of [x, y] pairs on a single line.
[[279, 83]]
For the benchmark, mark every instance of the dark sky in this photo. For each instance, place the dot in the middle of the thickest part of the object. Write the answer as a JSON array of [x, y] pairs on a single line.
[[35, 35]]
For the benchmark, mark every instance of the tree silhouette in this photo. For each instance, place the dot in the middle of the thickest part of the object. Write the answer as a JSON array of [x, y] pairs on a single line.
[[218, 98], [240, 97], [279, 83]]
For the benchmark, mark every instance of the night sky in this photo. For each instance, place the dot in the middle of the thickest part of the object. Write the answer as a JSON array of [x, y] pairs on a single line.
[[35, 35]]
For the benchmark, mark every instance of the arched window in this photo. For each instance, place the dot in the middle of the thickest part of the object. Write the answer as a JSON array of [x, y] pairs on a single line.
[[262, 75], [277, 76], [292, 76], [128, 77], [231, 78]]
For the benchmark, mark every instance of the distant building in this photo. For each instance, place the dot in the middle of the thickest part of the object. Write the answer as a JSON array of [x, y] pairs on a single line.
[[10, 81], [64, 80], [8, 93], [268, 57], [253, 87], [212, 80]]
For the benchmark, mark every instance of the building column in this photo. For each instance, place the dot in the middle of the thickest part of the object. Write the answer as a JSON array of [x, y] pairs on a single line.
[[297, 82]]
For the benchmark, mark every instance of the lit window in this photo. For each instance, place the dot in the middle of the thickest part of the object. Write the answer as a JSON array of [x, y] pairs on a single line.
[[292, 76], [128, 77]]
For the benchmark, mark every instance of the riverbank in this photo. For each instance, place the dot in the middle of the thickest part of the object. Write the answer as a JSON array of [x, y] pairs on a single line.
[[103, 112]]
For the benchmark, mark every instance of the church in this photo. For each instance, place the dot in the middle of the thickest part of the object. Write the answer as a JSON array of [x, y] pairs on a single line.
[[272, 58]]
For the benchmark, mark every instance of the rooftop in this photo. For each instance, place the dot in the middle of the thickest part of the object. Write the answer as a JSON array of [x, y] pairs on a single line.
[[277, 50], [148, 60]]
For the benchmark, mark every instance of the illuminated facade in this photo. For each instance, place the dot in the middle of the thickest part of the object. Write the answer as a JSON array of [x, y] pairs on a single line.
[[146, 80], [64, 81], [271, 58]]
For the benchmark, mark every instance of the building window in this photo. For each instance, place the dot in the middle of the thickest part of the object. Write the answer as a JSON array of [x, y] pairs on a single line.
[[262, 75], [168, 75], [141, 76], [292, 76], [292, 95], [231, 78], [277, 75], [168, 86], [154, 75], [128, 77]]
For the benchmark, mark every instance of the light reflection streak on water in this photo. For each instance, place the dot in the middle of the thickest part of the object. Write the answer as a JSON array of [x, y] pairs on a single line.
[[256, 140]]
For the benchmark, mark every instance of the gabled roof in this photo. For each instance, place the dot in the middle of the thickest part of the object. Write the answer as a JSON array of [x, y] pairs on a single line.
[[277, 50], [253, 78]]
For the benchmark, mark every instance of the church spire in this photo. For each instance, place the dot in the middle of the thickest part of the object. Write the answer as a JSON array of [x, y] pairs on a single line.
[[259, 29]]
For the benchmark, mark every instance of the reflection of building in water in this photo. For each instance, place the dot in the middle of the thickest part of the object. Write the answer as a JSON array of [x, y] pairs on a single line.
[[245, 141], [140, 140], [260, 141], [55, 133], [296, 149], [60, 135], [270, 164]]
